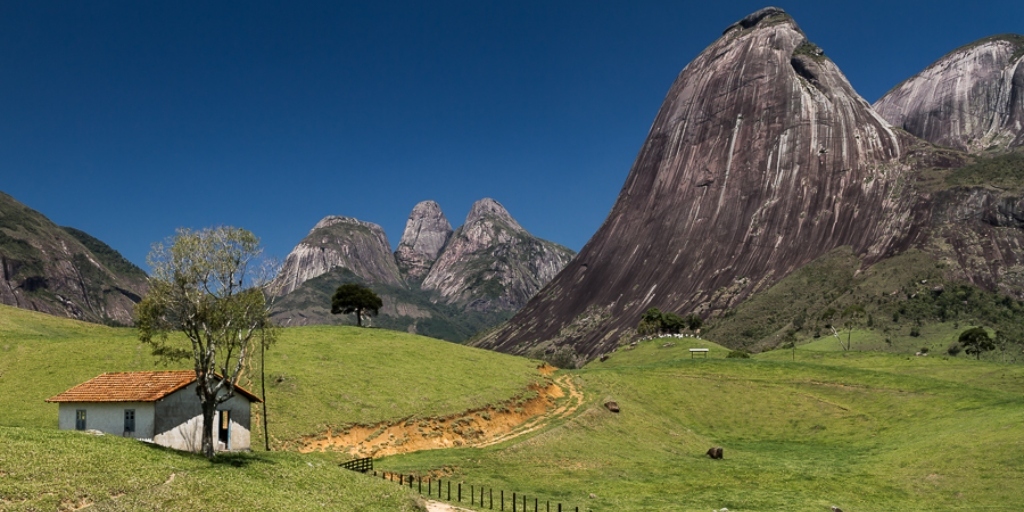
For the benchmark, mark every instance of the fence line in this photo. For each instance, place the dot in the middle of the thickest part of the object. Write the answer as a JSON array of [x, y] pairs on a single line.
[[442, 490]]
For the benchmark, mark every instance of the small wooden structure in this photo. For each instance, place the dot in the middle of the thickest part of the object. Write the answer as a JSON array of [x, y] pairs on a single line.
[[159, 407], [703, 351]]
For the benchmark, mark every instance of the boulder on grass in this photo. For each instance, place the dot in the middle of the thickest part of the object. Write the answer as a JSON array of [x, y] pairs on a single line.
[[612, 406]]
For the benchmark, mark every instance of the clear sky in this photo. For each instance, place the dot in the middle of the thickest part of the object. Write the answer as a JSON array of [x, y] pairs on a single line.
[[128, 119]]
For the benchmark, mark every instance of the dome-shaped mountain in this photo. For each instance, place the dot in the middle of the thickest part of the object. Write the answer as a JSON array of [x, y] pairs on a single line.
[[970, 99], [339, 242], [761, 158]]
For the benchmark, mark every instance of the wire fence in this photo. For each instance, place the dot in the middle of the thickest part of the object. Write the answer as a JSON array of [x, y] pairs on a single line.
[[460, 492]]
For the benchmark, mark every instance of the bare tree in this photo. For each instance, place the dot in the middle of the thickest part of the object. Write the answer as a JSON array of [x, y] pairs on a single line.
[[208, 285]]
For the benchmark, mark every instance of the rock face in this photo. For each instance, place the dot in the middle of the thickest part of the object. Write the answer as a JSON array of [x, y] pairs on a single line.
[[971, 99], [491, 263], [439, 283], [426, 233], [361, 247], [761, 158], [63, 271]]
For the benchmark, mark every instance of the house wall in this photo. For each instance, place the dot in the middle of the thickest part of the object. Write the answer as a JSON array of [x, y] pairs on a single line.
[[108, 417], [179, 421]]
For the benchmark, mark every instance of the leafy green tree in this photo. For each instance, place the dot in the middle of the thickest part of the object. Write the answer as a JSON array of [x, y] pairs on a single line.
[[650, 322], [207, 284], [354, 298], [694, 322], [976, 340], [672, 323]]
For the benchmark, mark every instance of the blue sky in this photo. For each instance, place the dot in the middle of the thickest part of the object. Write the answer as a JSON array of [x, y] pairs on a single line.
[[130, 119]]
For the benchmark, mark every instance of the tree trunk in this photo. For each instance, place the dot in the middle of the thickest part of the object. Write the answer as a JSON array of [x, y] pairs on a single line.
[[359, 317], [209, 412]]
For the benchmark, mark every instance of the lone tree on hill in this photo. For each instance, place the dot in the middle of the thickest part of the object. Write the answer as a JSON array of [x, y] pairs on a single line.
[[207, 285], [354, 298], [976, 340]]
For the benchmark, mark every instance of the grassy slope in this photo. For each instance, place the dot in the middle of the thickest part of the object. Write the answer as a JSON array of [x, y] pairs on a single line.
[[317, 376], [864, 431], [861, 430], [43, 469]]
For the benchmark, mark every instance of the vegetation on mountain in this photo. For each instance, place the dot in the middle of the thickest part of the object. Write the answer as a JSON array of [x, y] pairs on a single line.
[[890, 299], [206, 286], [353, 298], [63, 271], [109, 257]]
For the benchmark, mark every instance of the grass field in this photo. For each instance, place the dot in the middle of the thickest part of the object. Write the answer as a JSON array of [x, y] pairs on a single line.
[[317, 377], [862, 431], [46, 469], [801, 430]]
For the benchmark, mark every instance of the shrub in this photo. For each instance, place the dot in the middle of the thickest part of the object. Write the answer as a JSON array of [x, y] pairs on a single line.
[[954, 349], [915, 332], [738, 354]]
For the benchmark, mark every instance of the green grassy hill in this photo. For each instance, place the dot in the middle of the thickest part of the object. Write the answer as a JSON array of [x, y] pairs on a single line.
[[44, 469], [859, 430], [802, 429], [317, 377]]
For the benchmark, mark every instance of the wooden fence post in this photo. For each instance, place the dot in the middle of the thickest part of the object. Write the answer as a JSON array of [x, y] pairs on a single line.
[[460, 492], [449, 490], [514, 502], [502, 499]]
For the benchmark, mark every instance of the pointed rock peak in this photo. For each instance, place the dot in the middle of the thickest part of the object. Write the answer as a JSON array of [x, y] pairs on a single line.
[[771, 14], [427, 210], [488, 207], [426, 233]]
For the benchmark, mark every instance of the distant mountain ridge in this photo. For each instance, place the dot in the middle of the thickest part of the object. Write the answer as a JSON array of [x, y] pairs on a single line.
[[63, 271], [439, 282]]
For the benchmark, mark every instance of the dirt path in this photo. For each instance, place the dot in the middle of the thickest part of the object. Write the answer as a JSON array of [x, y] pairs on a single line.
[[477, 428], [437, 506]]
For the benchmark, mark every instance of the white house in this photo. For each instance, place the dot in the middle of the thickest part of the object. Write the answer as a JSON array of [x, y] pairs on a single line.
[[161, 407]]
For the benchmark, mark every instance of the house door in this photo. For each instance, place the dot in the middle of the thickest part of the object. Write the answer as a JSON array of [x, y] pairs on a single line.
[[224, 429], [80, 419]]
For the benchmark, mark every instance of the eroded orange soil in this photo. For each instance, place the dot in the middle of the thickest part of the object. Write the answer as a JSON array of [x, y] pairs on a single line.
[[481, 427]]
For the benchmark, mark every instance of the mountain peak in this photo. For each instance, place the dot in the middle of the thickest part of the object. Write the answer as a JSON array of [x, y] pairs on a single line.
[[426, 233], [761, 158], [969, 99], [488, 207], [753, 19]]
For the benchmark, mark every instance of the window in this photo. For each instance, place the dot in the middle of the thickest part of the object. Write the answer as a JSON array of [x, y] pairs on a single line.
[[80, 419], [129, 420]]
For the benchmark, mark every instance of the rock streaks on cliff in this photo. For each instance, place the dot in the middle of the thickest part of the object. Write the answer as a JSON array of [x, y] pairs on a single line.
[[426, 233], [63, 271], [361, 247], [492, 263], [971, 99], [761, 158]]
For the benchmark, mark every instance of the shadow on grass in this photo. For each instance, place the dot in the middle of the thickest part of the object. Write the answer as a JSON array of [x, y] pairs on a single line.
[[236, 459]]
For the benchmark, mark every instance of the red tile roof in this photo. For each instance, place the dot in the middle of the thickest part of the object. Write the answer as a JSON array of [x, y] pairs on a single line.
[[133, 387]]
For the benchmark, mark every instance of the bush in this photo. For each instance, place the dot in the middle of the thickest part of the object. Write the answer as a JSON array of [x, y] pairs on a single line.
[[915, 332], [924, 350], [738, 354], [954, 349]]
